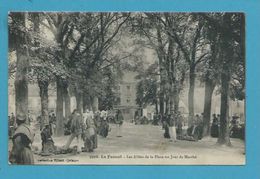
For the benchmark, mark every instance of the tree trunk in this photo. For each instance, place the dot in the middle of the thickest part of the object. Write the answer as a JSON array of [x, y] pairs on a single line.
[[67, 102], [79, 99], [21, 84], [59, 108], [22, 63], [224, 110], [167, 105], [176, 99], [43, 86], [172, 102], [160, 54], [87, 102], [225, 81], [161, 103], [171, 95], [95, 104], [209, 88], [227, 57], [156, 107], [170, 69], [42, 83], [191, 93]]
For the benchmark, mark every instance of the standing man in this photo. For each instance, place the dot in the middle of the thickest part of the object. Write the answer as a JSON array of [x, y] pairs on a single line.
[[76, 130], [22, 139], [119, 122]]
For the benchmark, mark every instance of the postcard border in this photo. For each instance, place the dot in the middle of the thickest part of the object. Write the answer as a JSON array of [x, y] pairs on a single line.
[[250, 170]]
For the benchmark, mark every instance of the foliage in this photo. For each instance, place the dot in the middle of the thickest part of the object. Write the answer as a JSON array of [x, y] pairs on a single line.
[[147, 86]]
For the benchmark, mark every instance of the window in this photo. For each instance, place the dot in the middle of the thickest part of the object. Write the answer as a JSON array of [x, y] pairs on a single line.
[[128, 87], [128, 100]]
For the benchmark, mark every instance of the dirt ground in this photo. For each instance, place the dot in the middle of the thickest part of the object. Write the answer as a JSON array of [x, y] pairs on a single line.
[[144, 144]]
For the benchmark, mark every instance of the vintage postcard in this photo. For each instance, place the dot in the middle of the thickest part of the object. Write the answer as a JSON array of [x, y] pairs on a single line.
[[126, 88]]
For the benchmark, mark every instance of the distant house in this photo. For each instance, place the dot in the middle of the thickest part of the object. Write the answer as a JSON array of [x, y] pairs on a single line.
[[34, 100], [126, 99], [126, 95]]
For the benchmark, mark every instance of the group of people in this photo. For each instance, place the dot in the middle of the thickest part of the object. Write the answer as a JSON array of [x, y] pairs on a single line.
[[236, 129], [102, 122], [140, 120], [195, 130], [88, 125], [172, 125], [82, 127]]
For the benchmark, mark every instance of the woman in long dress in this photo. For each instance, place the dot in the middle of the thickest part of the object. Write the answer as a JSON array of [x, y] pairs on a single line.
[[22, 139], [119, 122], [172, 128], [89, 135]]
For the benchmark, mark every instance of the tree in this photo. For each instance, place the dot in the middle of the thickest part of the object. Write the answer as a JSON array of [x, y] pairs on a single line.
[[93, 53], [147, 87], [108, 96], [172, 66], [186, 32], [61, 26], [18, 41], [210, 74], [210, 78], [148, 27], [230, 27], [38, 62]]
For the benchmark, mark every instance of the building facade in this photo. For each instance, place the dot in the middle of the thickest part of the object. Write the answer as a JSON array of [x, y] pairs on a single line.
[[126, 95]]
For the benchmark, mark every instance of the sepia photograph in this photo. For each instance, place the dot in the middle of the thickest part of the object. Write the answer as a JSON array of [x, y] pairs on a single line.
[[126, 88]]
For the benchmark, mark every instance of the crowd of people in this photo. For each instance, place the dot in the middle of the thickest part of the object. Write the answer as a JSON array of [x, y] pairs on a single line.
[[237, 129], [85, 126], [88, 125], [79, 126], [173, 126]]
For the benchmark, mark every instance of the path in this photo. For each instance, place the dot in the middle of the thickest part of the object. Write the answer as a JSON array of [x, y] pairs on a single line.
[[144, 144]]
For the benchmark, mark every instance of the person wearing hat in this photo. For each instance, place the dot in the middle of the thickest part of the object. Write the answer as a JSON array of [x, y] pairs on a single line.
[[89, 134], [47, 141], [214, 130], [76, 130], [235, 128], [22, 139], [104, 127]]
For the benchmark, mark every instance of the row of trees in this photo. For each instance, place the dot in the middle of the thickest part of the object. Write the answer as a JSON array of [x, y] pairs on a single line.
[[207, 46], [73, 50], [82, 53]]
